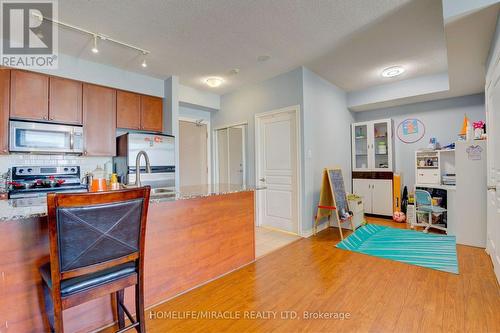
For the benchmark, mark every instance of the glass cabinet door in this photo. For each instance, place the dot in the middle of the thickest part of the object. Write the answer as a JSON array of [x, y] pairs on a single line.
[[360, 146], [381, 145]]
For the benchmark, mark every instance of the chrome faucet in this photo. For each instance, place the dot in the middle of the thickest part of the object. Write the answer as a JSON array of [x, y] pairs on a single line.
[[138, 167]]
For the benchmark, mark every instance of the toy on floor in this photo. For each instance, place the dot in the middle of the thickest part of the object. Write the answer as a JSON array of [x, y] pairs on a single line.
[[399, 217]]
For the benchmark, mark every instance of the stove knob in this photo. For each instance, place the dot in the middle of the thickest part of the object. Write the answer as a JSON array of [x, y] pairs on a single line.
[[29, 170], [66, 169], [73, 169], [20, 170]]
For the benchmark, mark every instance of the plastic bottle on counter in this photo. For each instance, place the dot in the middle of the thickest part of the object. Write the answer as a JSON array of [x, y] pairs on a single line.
[[113, 182]]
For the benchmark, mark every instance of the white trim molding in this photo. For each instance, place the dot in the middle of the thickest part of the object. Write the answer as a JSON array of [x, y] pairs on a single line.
[[298, 125]]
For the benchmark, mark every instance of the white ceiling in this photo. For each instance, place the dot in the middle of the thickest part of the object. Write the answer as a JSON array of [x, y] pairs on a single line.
[[411, 36], [194, 39], [468, 40], [348, 42]]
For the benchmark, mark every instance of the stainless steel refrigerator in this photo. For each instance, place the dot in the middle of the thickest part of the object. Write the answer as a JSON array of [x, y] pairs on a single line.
[[161, 152]]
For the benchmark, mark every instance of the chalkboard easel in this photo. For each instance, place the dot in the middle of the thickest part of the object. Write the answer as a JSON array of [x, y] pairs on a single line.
[[333, 198]]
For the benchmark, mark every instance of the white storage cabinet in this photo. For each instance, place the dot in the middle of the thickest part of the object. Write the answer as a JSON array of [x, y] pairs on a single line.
[[376, 194], [372, 146]]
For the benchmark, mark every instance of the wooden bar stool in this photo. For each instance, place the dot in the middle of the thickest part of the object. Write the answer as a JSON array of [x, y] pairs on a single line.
[[96, 248]]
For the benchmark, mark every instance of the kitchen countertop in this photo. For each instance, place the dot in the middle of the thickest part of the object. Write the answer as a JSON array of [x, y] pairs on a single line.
[[20, 209]]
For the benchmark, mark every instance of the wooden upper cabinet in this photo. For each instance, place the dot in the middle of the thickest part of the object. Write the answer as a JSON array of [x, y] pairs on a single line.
[[99, 120], [65, 101], [128, 110], [4, 110], [151, 113], [29, 95]]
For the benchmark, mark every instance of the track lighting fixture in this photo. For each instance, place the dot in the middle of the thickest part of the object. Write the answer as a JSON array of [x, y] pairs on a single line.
[[94, 48]]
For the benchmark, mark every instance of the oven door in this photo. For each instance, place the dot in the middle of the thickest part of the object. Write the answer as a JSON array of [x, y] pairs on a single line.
[[45, 138]]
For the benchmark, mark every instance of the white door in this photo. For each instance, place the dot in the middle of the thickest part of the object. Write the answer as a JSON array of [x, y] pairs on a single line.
[[493, 157], [276, 143], [222, 156], [193, 167], [362, 187], [236, 144], [382, 197]]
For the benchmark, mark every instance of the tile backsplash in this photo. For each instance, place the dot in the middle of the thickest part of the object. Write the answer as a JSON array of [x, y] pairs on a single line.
[[87, 164]]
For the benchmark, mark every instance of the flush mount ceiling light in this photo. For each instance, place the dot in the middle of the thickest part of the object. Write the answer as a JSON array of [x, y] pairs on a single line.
[[144, 63], [214, 82], [393, 71]]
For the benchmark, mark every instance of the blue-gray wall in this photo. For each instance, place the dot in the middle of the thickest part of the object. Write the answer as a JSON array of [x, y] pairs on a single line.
[[325, 126], [326, 139], [442, 119], [242, 105]]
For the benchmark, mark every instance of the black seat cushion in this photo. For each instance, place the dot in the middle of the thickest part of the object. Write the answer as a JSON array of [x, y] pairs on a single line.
[[81, 283]]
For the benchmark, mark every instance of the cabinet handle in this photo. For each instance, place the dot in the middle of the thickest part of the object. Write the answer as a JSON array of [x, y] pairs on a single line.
[[51, 118], [5, 150], [44, 117]]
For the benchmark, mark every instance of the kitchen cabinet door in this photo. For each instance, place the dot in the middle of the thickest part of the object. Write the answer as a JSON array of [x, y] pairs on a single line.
[[360, 146], [363, 188], [128, 110], [29, 95], [99, 120], [371, 144], [65, 101], [381, 196], [382, 145], [151, 113], [4, 110]]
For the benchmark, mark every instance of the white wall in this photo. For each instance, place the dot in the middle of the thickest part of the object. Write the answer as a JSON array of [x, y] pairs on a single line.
[[192, 96], [454, 8], [326, 138], [242, 105], [381, 95], [171, 117], [442, 119], [92, 72]]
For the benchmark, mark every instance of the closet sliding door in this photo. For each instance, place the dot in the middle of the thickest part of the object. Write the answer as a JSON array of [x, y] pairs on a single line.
[[231, 151]]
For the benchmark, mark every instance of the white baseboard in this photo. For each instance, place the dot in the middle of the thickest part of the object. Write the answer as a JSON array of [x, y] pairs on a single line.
[[308, 233]]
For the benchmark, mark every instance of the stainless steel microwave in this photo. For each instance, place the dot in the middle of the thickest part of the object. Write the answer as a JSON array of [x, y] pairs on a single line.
[[45, 138]]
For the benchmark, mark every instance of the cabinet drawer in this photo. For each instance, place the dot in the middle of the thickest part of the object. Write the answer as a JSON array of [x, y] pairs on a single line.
[[427, 176]]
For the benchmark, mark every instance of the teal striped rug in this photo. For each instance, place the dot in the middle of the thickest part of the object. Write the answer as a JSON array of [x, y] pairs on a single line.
[[408, 246]]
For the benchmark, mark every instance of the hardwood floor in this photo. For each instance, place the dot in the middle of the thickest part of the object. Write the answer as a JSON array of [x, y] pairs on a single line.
[[312, 275]]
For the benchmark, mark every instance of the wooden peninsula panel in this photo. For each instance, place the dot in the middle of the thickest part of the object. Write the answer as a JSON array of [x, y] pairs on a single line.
[[188, 242]]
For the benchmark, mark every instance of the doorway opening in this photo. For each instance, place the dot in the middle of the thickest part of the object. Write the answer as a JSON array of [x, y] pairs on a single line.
[[193, 152]]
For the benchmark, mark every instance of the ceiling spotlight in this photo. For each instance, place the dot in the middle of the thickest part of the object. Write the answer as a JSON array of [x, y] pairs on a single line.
[[94, 48], [144, 63], [214, 82], [393, 71]]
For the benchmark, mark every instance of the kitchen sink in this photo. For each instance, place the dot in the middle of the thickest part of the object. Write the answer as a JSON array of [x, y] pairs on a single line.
[[162, 192]]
